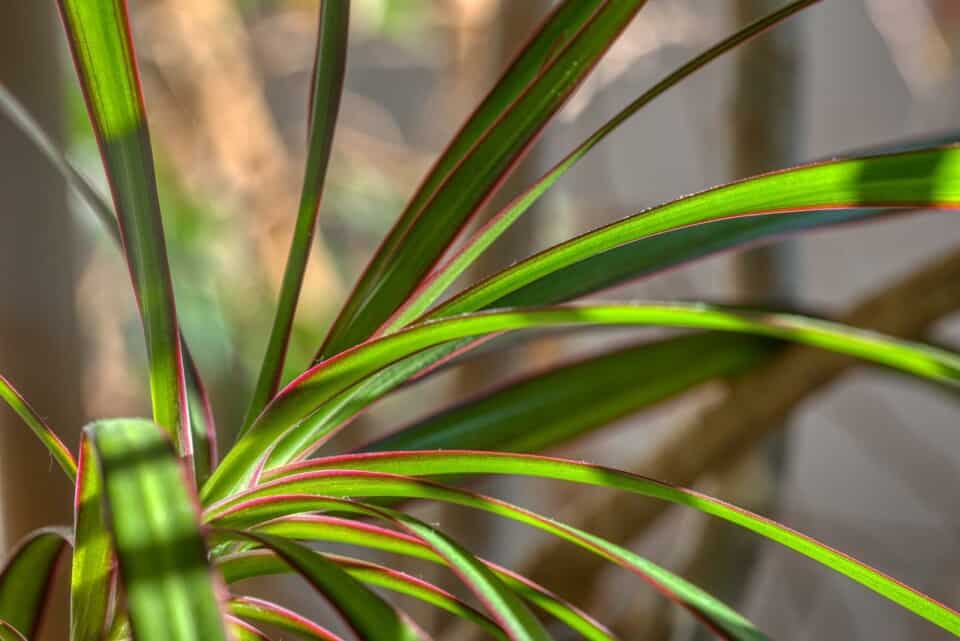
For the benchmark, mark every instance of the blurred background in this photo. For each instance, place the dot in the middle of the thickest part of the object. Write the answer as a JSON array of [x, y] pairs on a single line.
[[867, 461]]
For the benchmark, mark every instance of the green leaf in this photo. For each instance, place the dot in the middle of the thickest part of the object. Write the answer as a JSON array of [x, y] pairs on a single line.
[[27, 577], [246, 565], [171, 593], [102, 51], [927, 178], [243, 631], [443, 277], [566, 402], [44, 432], [559, 57], [272, 614], [372, 618], [286, 496], [201, 417], [340, 530], [295, 408], [93, 563], [328, 70], [472, 462]]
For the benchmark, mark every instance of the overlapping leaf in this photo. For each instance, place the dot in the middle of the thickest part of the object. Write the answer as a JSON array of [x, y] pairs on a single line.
[[93, 564], [328, 67], [26, 579], [171, 592], [295, 407], [102, 51], [559, 57]]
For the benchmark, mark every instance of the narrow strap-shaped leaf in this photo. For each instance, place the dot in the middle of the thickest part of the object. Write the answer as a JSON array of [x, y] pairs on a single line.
[[59, 451], [171, 592], [425, 233], [296, 405], [460, 462], [93, 564], [275, 615], [102, 50], [201, 417], [243, 631], [10, 633], [27, 577], [328, 70], [925, 178], [444, 276], [35, 133], [262, 562], [272, 500], [335, 529], [565, 402], [372, 618]]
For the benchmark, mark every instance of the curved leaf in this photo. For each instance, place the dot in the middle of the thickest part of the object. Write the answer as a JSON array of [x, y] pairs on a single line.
[[243, 631], [565, 402], [27, 577], [443, 277], [480, 159], [328, 69], [925, 178], [472, 462], [101, 47], [201, 416], [285, 497], [93, 565], [272, 614], [59, 451], [335, 529], [171, 593], [295, 407], [260, 562], [372, 618]]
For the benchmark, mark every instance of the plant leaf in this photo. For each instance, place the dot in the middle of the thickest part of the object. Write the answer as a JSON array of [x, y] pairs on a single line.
[[59, 451], [272, 614], [293, 410], [27, 577], [925, 178], [559, 57], [243, 631], [328, 70], [372, 618], [260, 562], [565, 402], [102, 51], [443, 277], [473, 462], [340, 530], [201, 417], [171, 593], [284, 497], [93, 566]]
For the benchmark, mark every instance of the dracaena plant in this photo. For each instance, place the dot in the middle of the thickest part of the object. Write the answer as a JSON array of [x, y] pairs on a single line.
[[164, 529]]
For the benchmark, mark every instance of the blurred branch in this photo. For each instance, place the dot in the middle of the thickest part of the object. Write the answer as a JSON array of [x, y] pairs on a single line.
[[753, 404]]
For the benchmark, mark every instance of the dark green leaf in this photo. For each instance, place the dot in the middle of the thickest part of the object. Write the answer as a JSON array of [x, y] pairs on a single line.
[[565, 402], [27, 577], [560, 56], [328, 67], [372, 618]]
